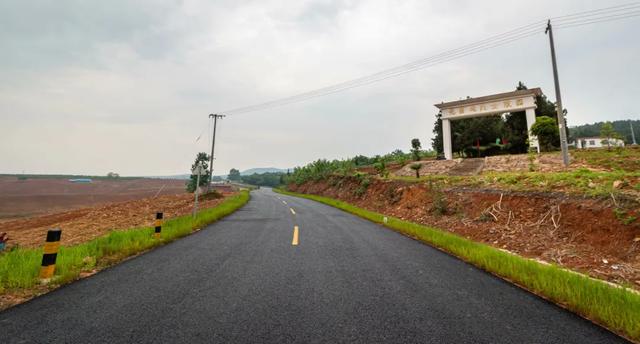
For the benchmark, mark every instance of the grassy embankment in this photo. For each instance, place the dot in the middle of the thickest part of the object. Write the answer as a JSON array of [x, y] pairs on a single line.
[[615, 308], [19, 268], [580, 181]]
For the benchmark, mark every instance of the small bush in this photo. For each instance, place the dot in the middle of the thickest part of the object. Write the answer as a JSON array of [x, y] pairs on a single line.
[[392, 195], [439, 204], [381, 168], [623, 216], [365, 181], [416, 167], [214, 194]]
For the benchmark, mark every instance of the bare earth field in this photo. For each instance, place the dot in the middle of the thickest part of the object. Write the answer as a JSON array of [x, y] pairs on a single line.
[[24, 198], [84, 224], [85, 211]]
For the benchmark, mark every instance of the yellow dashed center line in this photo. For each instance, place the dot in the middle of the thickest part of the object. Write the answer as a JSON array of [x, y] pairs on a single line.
[[292, 211], [294, 242]]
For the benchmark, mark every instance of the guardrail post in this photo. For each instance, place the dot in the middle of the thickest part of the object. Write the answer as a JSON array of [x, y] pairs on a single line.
[[158, 229], [50, 253]]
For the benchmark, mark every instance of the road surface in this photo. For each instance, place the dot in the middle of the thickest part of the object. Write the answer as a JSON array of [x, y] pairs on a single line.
[[254, 278]]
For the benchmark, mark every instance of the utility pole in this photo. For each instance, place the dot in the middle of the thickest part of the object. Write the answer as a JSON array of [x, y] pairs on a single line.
[[559, 109], [213, 144], [633, 136]]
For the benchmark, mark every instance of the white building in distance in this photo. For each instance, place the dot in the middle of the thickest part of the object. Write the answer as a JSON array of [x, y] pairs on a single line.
[[597, 142]]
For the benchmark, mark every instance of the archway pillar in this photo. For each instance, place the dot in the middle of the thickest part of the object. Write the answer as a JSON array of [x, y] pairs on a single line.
[[446, 139], [531, 119]]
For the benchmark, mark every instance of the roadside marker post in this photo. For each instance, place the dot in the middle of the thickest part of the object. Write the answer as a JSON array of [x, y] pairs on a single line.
[[158, 228], [50, 253]]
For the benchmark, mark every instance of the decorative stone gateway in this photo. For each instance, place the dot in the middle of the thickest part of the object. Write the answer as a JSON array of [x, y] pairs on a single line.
[[521, 100]]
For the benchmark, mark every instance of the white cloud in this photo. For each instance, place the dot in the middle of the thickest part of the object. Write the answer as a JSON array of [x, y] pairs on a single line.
[[127, 86]]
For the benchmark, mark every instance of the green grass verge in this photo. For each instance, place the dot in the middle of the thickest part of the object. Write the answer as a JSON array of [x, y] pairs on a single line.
[[19, 268], [625, 159], [615, 308]]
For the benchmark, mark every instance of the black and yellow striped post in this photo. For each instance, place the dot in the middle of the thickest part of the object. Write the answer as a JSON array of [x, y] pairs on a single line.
[[158, 230], [50, 253]]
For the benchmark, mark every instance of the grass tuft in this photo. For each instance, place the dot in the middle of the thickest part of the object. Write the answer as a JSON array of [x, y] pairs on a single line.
[[614, 307]]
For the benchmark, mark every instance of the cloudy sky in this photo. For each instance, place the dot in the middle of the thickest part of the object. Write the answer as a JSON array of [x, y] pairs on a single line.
[[89, 87]]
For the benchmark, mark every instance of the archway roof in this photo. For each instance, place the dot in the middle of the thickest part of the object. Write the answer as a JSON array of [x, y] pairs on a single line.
[[494, 97]]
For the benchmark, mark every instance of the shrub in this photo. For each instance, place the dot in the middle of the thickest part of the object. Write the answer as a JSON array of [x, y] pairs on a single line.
[[546, 129], [381, 168], [416, 167], [439, 204]]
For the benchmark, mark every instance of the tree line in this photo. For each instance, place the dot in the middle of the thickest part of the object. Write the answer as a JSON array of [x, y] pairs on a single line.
[[622, 127]]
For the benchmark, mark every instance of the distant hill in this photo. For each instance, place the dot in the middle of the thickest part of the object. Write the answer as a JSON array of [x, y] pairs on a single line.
[[261, 170], [621, 127], [258, 170]]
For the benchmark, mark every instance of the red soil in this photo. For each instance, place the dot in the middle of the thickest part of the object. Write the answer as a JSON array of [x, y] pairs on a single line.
[[84, 224], [582, 234], [21, 198]]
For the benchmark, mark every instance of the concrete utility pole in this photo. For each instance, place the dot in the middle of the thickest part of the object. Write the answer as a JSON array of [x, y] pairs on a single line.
[[213, 144], [633, 136], [559, 109], [197, 171]]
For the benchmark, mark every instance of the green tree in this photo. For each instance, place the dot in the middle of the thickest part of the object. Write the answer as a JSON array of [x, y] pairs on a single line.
[[203, 159], [608, 134], [467, 132], [622, 127], [361, 160], [234, 175], [271, 179], [381, 168], [436, 141], [113, 175], [545, 107], [516, 132], [547, 132], [416, 146]]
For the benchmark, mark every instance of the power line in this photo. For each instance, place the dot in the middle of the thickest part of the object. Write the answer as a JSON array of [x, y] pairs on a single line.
[[575, 19], [604, 16], [596, 12], [424, 63], [595, 21]]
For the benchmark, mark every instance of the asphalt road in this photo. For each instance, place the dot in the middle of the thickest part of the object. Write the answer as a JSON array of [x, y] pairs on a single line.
[[241, 280]]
